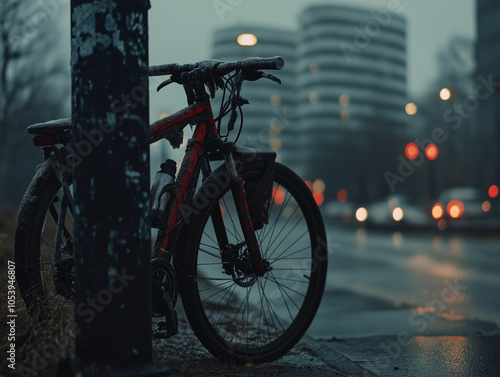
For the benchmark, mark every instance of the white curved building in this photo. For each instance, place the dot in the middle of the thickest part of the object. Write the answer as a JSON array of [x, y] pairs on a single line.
[[269, 119], [351, 79]]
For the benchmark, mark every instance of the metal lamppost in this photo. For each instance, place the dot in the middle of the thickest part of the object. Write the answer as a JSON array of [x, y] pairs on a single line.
[[110, 111]]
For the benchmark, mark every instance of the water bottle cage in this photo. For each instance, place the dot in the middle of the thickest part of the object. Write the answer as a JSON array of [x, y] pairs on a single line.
[[168, 187], [157, 215]]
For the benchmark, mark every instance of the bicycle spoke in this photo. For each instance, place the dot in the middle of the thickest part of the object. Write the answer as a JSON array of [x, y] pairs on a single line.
[[210, 253], [293, 243], [236, 233], [250, 314], [275, 238]]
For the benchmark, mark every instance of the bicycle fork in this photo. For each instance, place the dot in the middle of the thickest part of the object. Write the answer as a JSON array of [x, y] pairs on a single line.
[[260, 265]]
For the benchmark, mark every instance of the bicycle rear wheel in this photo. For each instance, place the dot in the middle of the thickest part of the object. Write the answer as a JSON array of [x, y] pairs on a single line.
[[237, 315], [45, 283]]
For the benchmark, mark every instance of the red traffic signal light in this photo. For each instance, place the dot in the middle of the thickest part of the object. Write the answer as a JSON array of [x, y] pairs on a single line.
[[411, 151], [431, 152]]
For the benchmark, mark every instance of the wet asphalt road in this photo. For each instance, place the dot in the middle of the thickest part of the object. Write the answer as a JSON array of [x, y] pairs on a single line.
[[413, 304]]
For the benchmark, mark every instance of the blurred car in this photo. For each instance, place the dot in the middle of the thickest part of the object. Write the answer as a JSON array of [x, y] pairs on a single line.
[[466, 205], [339, 211], [394, 210]]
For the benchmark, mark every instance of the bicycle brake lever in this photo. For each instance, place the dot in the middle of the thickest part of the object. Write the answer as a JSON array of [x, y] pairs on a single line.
[[254, 75], [164, 84], [271, 77]]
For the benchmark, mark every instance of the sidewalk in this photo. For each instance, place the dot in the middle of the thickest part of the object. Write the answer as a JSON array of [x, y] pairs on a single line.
[[185, 355], [419, 356], [388, 356]]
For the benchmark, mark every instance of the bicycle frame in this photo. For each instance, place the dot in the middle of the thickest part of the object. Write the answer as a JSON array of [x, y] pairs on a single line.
[[201, 111], [189, 164]]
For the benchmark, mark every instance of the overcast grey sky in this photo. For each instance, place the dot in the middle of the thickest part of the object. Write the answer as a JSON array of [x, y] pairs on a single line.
[[181, 30]]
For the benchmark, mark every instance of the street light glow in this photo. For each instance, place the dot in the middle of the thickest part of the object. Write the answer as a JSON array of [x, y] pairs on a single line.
[[247, 40], [361, 214], [319, 185], [411, 108], [397, 214], [445, 94]]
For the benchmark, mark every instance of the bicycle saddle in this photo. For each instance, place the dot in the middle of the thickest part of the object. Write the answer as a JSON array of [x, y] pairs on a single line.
[[50, 127]]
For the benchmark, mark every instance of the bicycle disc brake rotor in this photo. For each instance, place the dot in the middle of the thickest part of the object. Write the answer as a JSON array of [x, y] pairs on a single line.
[[238, 265]]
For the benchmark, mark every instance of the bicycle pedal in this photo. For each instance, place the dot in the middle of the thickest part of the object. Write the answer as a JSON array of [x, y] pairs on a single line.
[[167, 328]]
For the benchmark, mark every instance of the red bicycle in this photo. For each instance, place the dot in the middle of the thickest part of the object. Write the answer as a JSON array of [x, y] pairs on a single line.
[[243, 243]]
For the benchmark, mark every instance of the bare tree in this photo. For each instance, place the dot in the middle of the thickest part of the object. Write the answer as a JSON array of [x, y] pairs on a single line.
[[34, 79]]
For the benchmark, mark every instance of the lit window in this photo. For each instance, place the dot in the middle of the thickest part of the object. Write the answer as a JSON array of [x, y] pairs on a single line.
[[345, 115], [275, 129], [247, 40], [275, 144], [275, 100], [344, 100], [313, 97]]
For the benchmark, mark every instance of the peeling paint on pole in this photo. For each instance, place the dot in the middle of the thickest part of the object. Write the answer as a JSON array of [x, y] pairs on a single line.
[[111, 183]]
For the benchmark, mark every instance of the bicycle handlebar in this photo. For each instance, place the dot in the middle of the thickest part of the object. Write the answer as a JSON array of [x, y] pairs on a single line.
[[219, 67]]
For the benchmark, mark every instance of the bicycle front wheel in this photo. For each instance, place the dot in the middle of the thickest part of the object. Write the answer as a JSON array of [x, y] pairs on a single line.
[[236, 314]]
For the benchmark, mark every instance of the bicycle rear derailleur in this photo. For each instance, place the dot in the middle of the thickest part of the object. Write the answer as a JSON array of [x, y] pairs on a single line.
[[164, 296]]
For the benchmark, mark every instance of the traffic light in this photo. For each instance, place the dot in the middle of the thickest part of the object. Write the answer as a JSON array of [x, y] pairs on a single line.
[[431, 152], [411, 151]]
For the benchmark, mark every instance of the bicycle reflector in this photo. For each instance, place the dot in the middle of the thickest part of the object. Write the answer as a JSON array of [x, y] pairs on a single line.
[[41, 141], [47, 139]]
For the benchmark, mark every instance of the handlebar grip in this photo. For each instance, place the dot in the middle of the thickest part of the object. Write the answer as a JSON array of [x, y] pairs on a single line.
[[275, 63], [168, 69]]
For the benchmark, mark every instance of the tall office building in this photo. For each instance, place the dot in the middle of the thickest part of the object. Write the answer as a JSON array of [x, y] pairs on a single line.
[[269, 119], [488, 113], [338, 118], [351, 68]]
